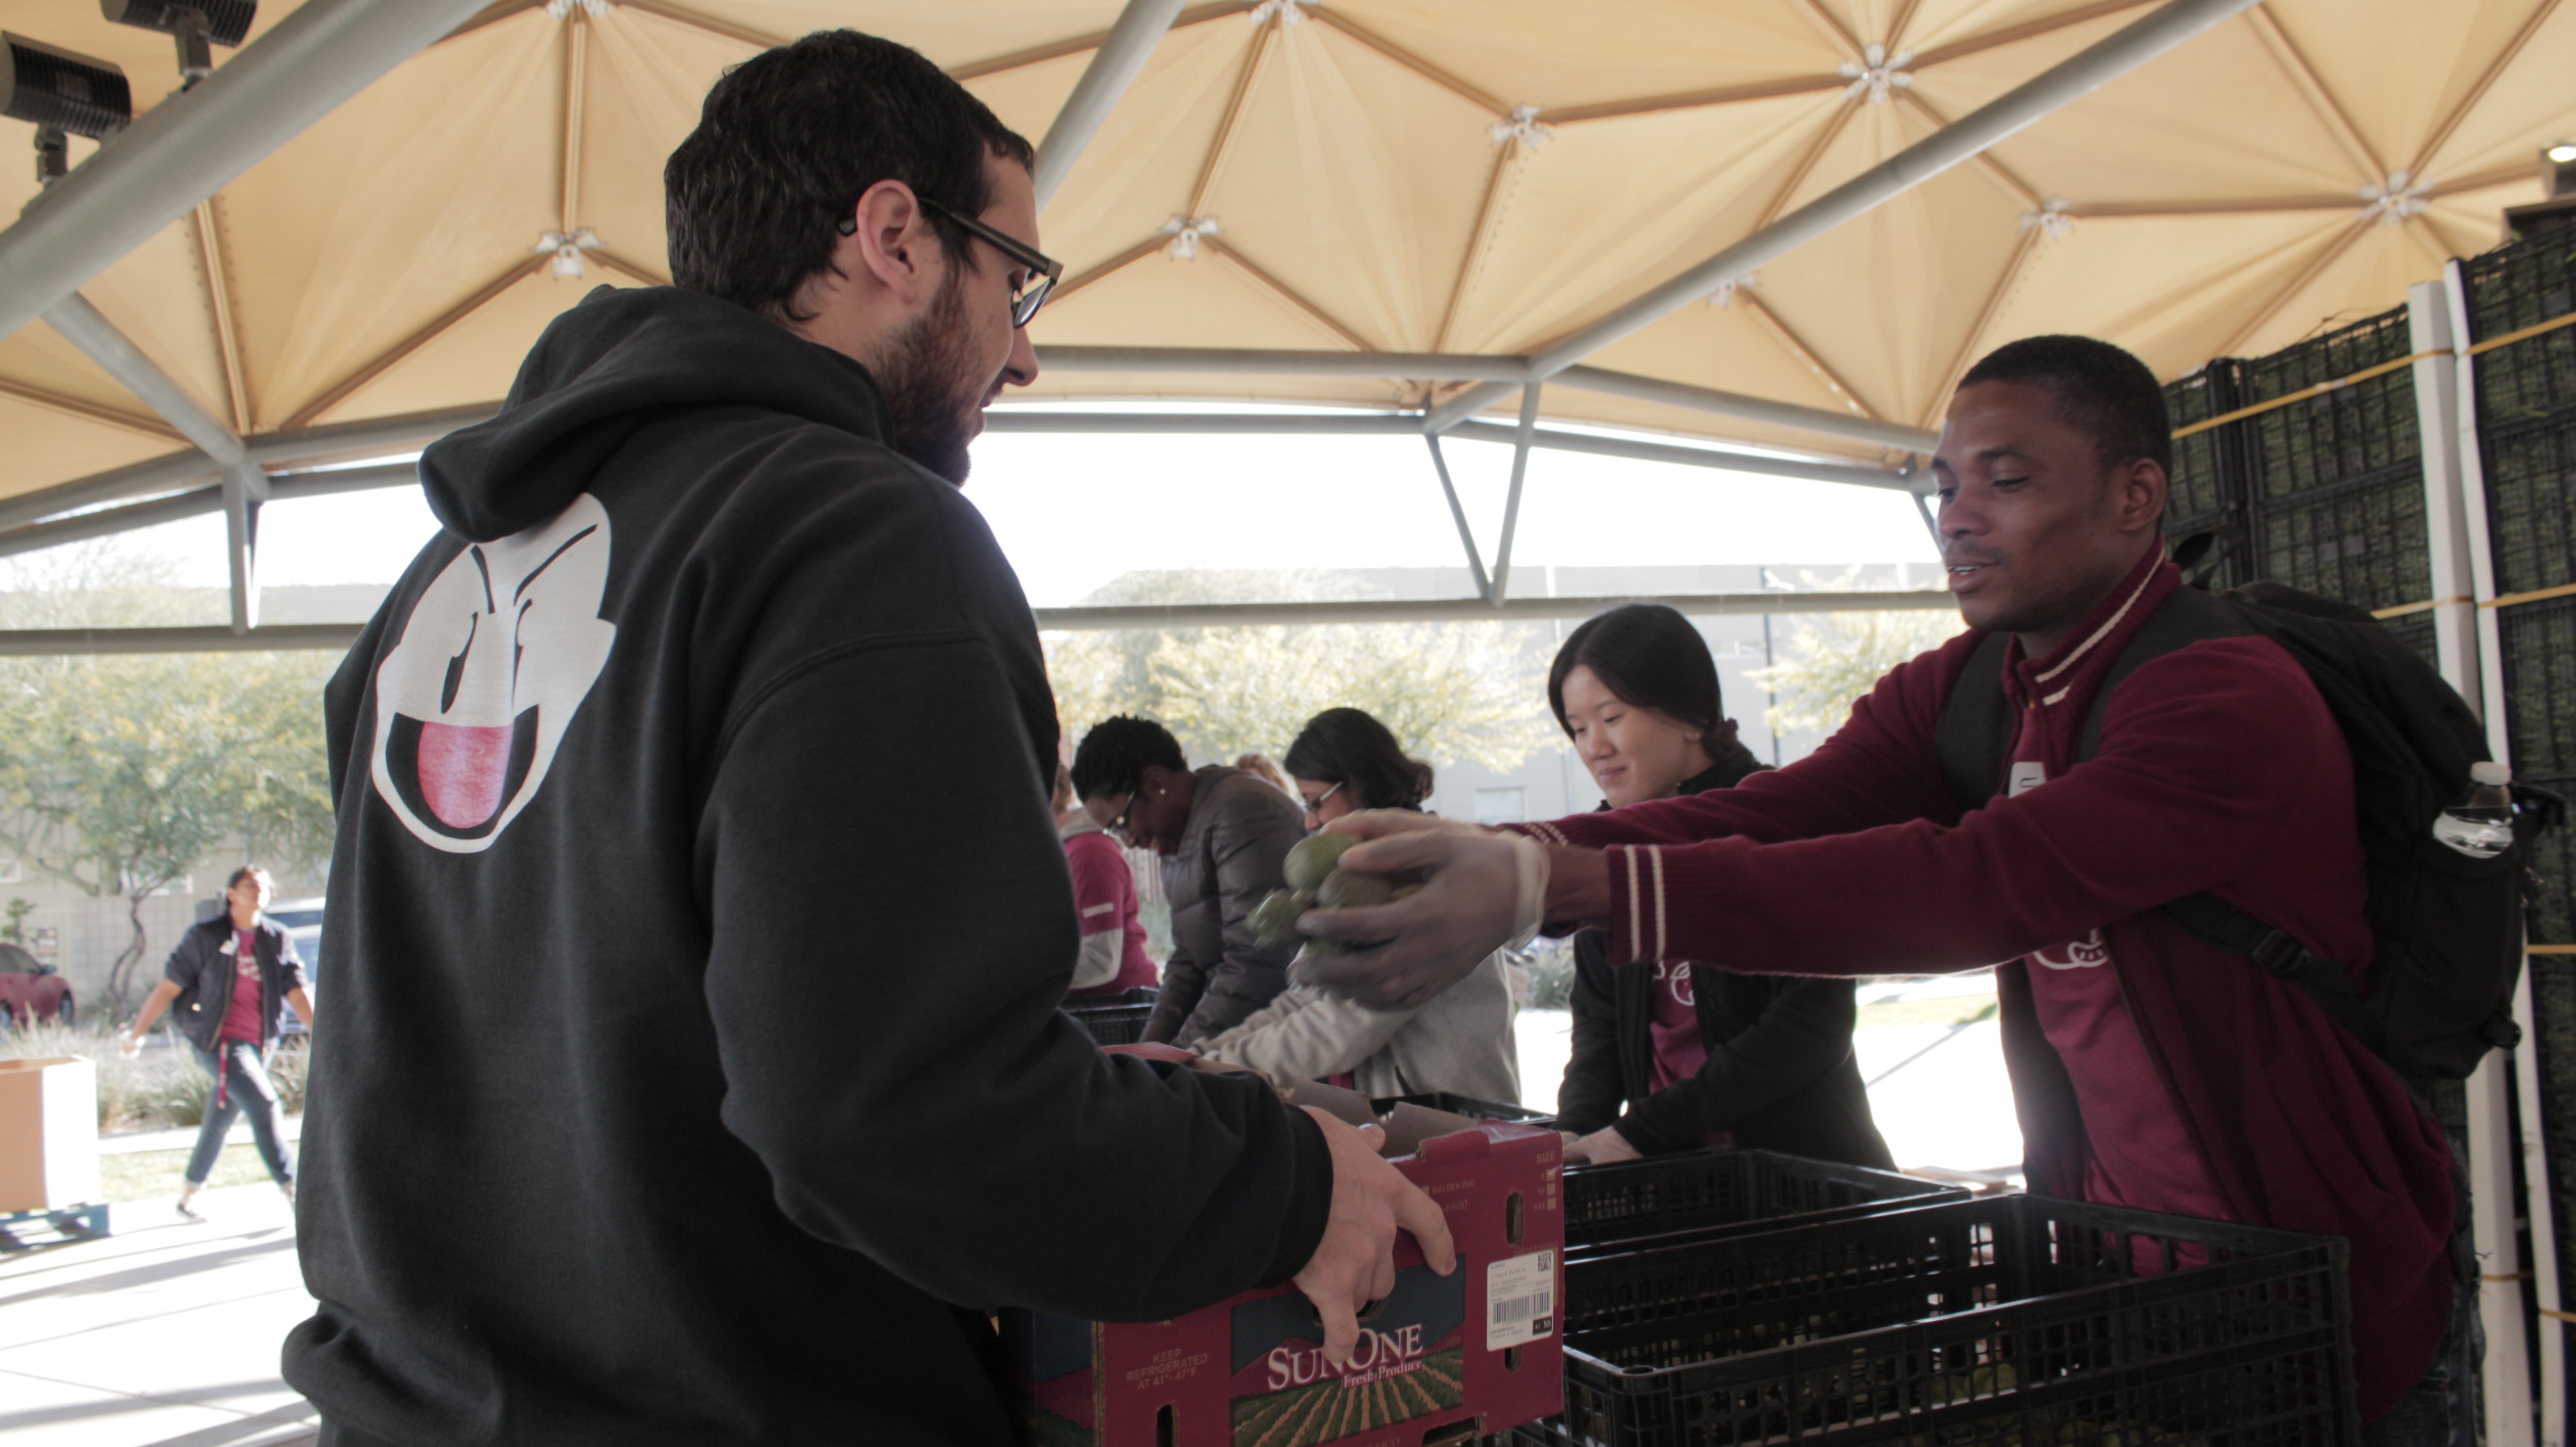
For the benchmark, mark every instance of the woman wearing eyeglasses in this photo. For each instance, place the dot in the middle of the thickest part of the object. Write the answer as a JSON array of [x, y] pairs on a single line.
[[1223, 836], [1697, 1058], [1461, 1042]]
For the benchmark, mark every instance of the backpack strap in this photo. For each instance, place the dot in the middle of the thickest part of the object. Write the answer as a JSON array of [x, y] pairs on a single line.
[[1975, 727]]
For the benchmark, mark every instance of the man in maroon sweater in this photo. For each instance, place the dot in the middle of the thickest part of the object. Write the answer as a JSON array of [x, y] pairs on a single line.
[[2150, 1069]]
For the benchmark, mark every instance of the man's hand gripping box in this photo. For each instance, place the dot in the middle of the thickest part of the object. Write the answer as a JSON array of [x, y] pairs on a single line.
[[1441, 1359]]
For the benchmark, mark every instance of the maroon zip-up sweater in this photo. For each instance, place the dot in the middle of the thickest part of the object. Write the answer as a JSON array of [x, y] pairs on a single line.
[[2218, 768]]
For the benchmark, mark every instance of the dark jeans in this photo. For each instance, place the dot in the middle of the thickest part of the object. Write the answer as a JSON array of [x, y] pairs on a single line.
[[243, 1082], [2442, 1409]]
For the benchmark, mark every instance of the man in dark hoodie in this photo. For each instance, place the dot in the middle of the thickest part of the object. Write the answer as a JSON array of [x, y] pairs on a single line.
[[694, 1071]]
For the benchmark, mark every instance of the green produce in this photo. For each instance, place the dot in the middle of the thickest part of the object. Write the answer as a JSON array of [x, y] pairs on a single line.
[[1345, 889], [1314, 857], [1274, 920]]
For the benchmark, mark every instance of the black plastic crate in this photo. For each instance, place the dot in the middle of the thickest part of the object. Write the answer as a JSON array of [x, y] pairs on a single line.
[[2511, 288], [2363, 428], [1466, 1105], [1113, 1024], [2207, 493], [2530, 470], [1695, 1192], [2553, 911], [2539, 647], [2203, 480], [2362, 541], [2553, 1024], [2007, 1322]]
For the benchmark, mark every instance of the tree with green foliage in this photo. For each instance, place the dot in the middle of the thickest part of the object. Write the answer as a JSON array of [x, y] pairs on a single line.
[[1453, 692], [1834, 658], [119, 774]]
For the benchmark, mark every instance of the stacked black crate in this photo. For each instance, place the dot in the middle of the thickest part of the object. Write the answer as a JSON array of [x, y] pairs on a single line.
[[2336, 481], [2207, 494], [2526, 422]]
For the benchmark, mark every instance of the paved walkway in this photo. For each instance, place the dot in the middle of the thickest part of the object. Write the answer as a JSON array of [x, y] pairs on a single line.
[[165, 1334]]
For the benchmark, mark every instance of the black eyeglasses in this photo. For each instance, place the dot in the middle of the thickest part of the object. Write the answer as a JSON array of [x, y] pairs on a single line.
[[1118, 826], [1043, 270]]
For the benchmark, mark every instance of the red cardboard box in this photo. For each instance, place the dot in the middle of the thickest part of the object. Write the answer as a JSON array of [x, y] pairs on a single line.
[[1442, 1359]]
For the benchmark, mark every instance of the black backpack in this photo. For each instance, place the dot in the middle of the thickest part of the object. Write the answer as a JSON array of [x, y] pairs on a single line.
[[2449, 928]]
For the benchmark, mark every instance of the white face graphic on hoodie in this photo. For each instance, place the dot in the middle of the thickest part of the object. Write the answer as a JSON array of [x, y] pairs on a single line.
[[498, 653]]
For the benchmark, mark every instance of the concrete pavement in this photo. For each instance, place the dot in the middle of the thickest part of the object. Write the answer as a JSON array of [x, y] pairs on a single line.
[[165, 1334]]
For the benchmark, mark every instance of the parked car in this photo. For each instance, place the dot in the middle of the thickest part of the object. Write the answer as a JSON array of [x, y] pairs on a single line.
[[302, 921], [30, 990]]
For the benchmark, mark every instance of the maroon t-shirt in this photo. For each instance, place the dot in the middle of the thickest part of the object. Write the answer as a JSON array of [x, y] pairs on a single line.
[[243, 1020], [1673, 1029]]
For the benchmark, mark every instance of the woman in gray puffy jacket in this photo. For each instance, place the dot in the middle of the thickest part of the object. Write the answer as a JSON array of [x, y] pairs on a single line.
[[1223, 837], [1460, 1042]]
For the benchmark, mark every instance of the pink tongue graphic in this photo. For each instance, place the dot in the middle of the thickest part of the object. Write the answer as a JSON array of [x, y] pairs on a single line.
[[462, 770]]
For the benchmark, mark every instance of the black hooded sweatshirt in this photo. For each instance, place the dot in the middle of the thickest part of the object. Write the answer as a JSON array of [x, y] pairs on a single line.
[[692, 1071]]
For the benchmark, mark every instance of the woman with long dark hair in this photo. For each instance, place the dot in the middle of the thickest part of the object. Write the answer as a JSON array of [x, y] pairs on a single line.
[[1696, 1057], [1461, 1041]]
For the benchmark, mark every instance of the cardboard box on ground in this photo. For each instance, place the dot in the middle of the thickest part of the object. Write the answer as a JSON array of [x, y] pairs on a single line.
[[1444, 1359], [48, 1133]]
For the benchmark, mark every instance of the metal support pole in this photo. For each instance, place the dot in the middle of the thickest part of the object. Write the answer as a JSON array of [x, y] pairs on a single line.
[[245, 483], [1458, 515], [193, 144], [1524, 435], [2446, 519], [2493, 1144], [2060, 85], [241, 552], [1931, 521], [1113, 68]]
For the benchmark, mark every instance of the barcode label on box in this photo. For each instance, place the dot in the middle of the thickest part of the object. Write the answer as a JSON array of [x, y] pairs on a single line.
[[1520, 1300]]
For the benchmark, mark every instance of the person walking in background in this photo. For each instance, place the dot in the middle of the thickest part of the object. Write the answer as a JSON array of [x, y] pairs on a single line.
[[1223, 836], [1461, 1041], [1104, 896], [1696, 1057], [234, 977]]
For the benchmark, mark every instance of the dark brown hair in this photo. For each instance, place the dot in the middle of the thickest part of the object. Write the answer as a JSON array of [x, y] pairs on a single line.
[[1651, 657], [790, 139], [1349, 746]]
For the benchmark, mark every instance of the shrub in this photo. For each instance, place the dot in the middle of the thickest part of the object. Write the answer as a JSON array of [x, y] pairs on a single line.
[[160, 1089]]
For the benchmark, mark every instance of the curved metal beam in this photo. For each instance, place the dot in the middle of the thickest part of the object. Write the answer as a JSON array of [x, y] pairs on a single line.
[[1123, 52], [2060, 85]]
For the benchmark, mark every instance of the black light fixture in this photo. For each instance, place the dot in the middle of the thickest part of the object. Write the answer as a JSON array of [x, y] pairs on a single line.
[[65, 93], [199, 26], [2558, 170]]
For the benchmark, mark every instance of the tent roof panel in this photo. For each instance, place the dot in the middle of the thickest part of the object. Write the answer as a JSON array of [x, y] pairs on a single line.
[[382, 262]]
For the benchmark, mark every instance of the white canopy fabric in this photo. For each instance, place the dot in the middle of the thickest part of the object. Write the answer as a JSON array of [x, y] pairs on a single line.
[[1460, 176]]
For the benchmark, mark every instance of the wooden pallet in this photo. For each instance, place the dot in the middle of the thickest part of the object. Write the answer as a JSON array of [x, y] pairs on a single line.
[[25, 1230]]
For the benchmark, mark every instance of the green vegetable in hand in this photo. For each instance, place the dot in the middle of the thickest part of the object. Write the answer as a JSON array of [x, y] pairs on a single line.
[[1315, 857], [1274, 920], [1345, 889]]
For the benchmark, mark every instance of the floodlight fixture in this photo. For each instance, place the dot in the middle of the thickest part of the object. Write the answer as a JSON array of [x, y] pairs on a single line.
[[2558, 170], [65, 93], [197, 25]]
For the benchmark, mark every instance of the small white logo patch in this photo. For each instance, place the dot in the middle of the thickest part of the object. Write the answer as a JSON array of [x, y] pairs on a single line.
[[498, 653], [2027, 775], [2088, 953]]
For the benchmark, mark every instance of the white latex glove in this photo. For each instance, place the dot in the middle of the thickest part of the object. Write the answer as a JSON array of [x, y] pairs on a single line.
[[1604, 1147], [1481, 891]]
